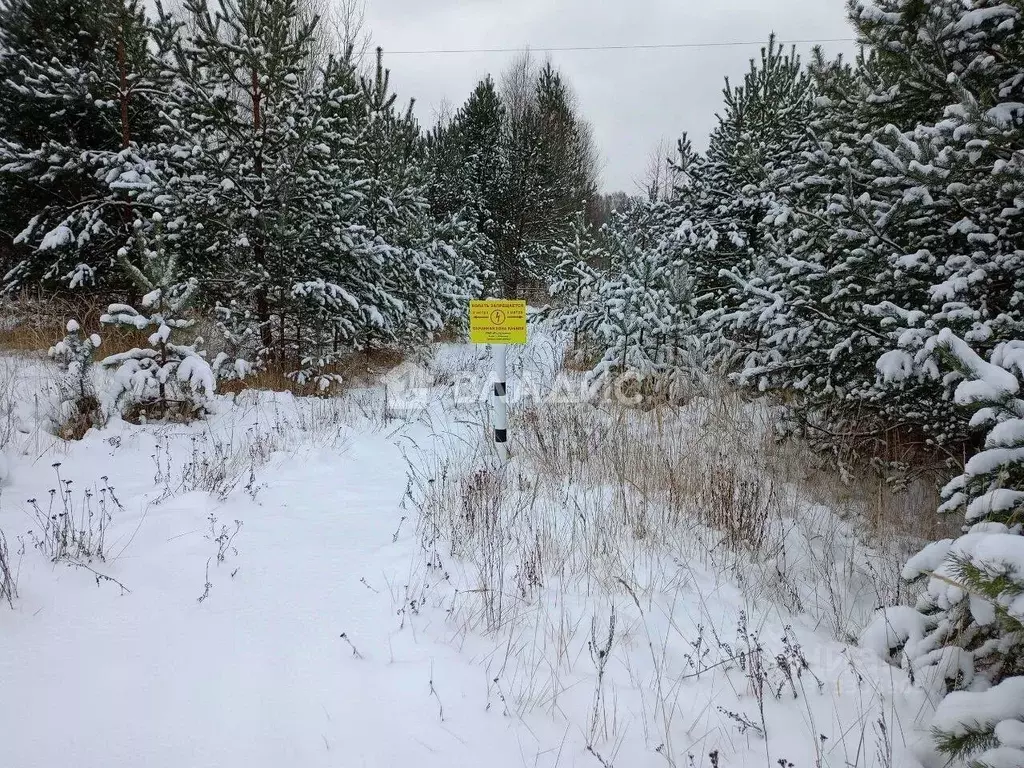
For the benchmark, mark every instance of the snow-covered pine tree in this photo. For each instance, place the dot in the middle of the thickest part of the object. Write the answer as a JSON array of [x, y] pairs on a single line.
[[395, 271], [797, 318], [744, 171], [641, 320], [431, 281], [577, 277], [79, 408], [344, 293], [946, 201], [246, 132], [467, 174], [74, 352], [690, 225], [564, 166], [905, 217], [455, 251], [523, 193], [75, 104], [548, 172], [478, 130], [964, 640], [865, 248], [448, 185], [165, 379], [239, 341]]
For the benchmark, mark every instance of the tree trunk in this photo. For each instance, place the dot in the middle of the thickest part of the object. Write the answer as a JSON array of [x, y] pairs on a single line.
[[259, 247], [124, 91]]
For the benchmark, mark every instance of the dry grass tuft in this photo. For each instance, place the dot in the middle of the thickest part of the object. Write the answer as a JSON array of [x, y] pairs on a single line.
[[24, 338], [35, 326], [273, 378], [360, 368], [8, 574], [450, 334], [580, 359], [86, 414]]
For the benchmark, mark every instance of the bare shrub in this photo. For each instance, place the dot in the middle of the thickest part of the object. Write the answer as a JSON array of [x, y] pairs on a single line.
[[8, 576], [73, 526]]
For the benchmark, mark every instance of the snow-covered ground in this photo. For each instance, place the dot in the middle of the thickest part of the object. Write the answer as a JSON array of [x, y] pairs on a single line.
[[351, 582]]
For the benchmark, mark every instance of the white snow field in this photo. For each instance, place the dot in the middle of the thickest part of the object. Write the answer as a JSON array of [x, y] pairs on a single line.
[[348, 582]]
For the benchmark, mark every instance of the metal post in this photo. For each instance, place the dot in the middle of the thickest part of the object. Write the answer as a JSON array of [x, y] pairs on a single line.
[[500, 402]]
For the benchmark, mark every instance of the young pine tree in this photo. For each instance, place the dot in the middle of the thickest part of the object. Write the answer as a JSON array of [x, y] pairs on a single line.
[[262, 190], [964, 640], [79, 409], [166, 379], [467, 174], [75, 106], [642, 319], [576, 279], [744, 172], [943, 214]]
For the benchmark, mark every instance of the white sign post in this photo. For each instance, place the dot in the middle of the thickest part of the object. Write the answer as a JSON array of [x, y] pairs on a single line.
[[500, 352]]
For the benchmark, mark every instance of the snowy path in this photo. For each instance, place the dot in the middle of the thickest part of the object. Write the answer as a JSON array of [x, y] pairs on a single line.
[[257, 674]]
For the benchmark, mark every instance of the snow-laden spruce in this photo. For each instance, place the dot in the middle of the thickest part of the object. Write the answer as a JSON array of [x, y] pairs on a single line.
[[966, 632], [79, 408], [78, 106], [167, 379], [639, 316]]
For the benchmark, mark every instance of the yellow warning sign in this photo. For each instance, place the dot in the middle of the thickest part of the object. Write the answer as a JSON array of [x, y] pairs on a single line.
[[497, 322]]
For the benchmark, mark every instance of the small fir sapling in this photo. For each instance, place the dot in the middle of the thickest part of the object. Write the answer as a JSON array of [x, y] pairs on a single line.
[[166, 379], [79, 407], [315, 372], [237, 330]]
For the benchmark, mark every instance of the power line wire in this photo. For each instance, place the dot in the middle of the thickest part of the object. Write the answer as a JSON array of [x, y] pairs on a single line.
[[648, 47]]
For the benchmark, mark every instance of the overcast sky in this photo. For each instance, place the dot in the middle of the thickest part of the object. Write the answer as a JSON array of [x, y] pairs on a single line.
[[632, 98]]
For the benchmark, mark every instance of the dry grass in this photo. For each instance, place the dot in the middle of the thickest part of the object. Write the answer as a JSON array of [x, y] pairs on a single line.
[[24, 338], [607, 511], [35, 326], [667, 470], [580, 359], [360, 368], [718, 464], [8, 574], [32, 326], [72, 525], [450, 335], [597, 492]]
